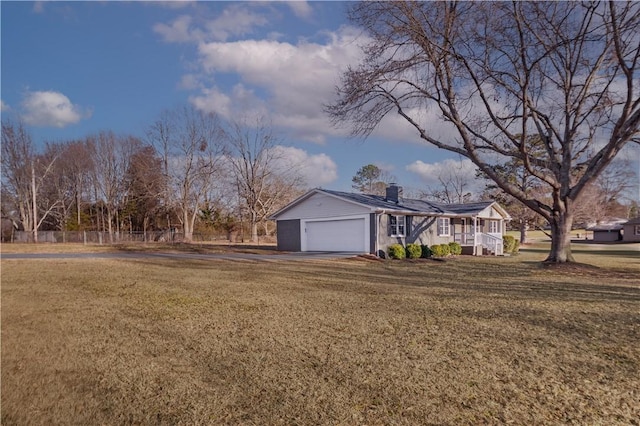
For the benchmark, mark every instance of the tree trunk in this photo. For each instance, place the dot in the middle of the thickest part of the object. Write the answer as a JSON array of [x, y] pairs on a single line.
[[187, 225], [34, 204], [561, 239], [109, 227], [254, 227], [524, 227]]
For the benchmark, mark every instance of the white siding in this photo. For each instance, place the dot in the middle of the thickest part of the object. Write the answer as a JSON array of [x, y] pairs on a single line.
[[490, 212], [323, 206]]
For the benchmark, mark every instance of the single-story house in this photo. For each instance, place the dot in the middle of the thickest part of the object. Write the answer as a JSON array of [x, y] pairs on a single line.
[[607, 230], [631, 230], [325, 220]]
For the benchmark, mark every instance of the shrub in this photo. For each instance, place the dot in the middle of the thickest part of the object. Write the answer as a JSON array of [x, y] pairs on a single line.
[[396, 251], [516, 247], [426, 252], [455, 248], [440, 250], [509, 243], [414, 251]]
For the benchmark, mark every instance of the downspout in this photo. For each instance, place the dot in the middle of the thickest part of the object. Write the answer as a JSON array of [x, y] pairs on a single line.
[[377, 244]]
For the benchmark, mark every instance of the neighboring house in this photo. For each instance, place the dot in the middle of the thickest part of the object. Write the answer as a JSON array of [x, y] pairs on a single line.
[[606, 233], [631, 230], [607, 230], [324, 220]]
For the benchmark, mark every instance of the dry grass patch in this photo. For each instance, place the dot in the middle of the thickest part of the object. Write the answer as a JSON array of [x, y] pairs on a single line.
[[470, 341], [196, 248]]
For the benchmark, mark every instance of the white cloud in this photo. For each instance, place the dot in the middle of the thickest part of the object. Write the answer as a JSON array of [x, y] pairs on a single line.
[[430, 173], [179, 31], [50, 108], [3, 106], [302, 9], [38, 7], [316, 169], [176, 4], [213, 100], [235, 20], [288, 82], [298, 79], [190, 82]]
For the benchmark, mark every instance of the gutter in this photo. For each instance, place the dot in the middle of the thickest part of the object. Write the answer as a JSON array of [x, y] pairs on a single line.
[[413, 213]]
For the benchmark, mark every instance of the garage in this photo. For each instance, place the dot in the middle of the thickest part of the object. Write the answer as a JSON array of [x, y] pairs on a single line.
[[335, 235]]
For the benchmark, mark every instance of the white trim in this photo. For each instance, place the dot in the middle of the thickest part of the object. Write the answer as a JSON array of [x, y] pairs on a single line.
[[397, 225], [303, 197], [448, 233]]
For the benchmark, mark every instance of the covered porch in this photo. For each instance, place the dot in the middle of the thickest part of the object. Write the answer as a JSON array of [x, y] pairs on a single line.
[[479, 235]]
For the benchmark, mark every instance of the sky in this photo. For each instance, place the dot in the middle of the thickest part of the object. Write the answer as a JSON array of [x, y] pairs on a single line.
[[72, 69]]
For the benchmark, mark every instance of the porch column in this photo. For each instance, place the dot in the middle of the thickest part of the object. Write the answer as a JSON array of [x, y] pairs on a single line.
[[475, 235]]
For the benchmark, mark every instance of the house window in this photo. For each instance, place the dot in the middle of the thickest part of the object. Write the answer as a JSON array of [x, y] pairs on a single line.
[[444, 227], [637, 230], [494, 227], [396, 226]]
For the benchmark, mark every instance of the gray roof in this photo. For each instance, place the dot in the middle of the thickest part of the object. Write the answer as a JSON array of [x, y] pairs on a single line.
[[605, 227], [412, 205], [635, 221]]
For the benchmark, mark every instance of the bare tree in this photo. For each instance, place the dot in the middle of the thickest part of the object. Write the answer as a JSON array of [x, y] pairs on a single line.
[[111, 156], [264, 178], [23, 173], [454, 187], [605, 196], [67, 183], [497, 73], [190, 143], [145, 185], [17, 156]]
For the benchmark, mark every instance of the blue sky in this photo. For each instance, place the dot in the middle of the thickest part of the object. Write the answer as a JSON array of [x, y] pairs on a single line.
[[71, 69]]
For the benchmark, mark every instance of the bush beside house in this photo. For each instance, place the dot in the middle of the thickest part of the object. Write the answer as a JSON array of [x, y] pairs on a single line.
[[511, 244], [417, 251], [455, 248], [414, 251], [440, 250], [396, 251]]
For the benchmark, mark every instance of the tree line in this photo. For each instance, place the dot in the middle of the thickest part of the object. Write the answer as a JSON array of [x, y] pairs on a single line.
[[191, 171]]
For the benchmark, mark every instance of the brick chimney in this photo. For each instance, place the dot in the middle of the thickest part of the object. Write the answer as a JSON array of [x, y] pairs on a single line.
[[393, 193]]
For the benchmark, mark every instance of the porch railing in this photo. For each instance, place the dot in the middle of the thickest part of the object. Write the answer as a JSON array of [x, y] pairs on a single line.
[[492, 243], [465, 239]]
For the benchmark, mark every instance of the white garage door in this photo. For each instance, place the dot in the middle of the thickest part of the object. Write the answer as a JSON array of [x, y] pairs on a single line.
[[336, 235]]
